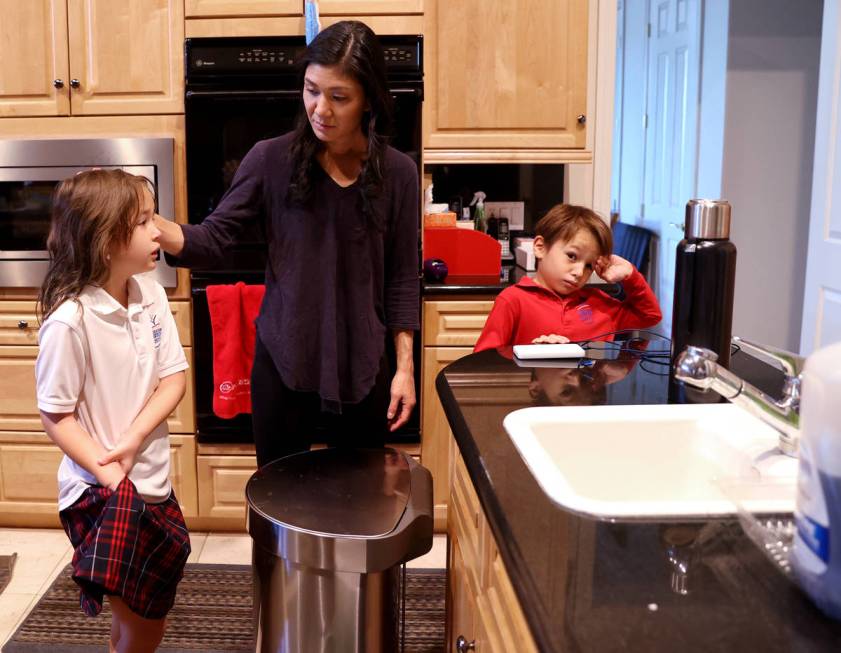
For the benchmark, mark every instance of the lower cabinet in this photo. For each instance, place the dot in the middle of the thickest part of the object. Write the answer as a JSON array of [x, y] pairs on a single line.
[[29, 490], [482, 609], [450, 329]]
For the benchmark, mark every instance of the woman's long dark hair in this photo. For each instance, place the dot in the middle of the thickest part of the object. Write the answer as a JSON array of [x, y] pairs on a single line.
[[353, 47]]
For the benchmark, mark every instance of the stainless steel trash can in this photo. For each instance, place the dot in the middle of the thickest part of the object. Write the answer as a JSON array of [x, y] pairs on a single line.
[[330, 529]]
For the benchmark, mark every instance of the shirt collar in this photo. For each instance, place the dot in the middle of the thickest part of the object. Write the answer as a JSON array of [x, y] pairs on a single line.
[[99, 301], [529, 284]]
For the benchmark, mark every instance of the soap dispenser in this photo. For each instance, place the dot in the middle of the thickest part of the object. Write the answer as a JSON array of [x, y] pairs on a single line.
[[479, 221], [816, 555]]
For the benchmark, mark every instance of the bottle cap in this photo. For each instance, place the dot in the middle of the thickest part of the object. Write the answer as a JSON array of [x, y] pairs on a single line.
[[707, 219]]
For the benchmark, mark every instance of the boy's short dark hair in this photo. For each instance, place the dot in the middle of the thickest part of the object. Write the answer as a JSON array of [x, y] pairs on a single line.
[[563, 221]]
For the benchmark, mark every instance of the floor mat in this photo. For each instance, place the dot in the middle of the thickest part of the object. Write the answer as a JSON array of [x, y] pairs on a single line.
[[7, 564], [212, 613]]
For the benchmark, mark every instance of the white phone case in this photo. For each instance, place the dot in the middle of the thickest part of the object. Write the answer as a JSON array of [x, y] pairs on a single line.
[[568, 350]]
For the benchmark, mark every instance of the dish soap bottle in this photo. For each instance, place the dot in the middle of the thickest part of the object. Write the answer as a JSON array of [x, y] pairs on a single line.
[[479, 221], [816, 555]]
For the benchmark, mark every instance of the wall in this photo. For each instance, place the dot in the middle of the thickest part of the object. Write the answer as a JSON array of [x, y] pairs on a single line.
[[772, 79]]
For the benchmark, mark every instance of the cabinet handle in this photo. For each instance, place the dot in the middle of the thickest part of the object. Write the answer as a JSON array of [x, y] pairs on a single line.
[[462, 645], [23, 324], [581, 118], [58, 83], [75, 83]]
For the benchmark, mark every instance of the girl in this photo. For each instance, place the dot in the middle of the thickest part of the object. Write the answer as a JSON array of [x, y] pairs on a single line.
[[110, 369], [339, 207], [571, 242]]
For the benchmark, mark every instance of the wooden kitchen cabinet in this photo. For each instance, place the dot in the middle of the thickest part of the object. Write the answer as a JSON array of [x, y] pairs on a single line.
[[349, 7], [231, 8], [481, 604], [33, 42], [505, 81], [28, 469], [92, 57], [450, 329]]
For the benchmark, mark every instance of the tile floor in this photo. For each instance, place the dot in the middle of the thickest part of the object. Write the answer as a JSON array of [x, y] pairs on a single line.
[[42, 553]]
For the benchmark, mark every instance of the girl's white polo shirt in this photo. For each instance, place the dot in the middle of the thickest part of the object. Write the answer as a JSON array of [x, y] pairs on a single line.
[[102, 362]]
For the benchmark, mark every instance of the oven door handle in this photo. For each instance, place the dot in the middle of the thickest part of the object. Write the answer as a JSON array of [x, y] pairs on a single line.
[[244, 94]]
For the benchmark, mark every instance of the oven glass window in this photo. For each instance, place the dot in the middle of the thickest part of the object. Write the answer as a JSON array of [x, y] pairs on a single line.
[[25, 210]]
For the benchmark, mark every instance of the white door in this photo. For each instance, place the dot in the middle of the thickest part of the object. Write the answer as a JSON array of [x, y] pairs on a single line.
[[671, 124], [822, 289]]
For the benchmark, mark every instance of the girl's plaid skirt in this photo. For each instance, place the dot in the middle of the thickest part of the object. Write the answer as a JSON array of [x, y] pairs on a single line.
[[126, 547]]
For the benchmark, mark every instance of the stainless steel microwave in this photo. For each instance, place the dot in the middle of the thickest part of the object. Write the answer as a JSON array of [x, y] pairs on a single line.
[[29, 172]]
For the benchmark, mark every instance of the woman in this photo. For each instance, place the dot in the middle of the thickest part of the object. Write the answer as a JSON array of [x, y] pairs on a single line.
[[340, 213]]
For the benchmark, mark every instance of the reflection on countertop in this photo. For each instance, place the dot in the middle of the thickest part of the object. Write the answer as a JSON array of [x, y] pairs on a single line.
[[587, 585]]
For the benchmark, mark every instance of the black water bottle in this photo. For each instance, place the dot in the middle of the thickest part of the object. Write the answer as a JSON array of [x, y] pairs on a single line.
[[705, 280]]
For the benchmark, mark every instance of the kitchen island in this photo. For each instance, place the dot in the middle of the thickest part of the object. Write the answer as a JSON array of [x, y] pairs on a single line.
[[589, 585]]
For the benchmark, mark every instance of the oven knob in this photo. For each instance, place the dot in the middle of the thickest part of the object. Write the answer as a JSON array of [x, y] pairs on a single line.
[[23, 324], [75, 83], [58, 83]]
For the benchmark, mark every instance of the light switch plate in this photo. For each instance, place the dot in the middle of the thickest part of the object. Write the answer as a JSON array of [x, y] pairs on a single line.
[[514, 209]]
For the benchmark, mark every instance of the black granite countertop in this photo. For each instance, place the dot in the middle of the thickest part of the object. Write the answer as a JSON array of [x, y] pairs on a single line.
[[476, 285], [588, 585]]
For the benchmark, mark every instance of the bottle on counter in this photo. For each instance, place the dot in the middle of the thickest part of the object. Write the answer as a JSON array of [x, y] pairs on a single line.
[[479, 221], [705, 280], [816, 555]]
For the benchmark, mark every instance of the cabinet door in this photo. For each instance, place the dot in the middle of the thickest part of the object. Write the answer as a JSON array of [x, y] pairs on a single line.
[[18, 407], [202, 8], [348, 7], [221, 482], [28, 486], [33, 43], [461, 600], [457, 323], [505, 74], [126, 56], [435, 431]]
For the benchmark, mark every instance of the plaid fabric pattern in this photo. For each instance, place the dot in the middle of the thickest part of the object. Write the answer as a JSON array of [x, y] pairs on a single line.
[[126, 547]]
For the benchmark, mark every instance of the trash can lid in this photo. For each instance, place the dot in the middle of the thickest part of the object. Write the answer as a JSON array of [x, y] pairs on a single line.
[[339, 492]]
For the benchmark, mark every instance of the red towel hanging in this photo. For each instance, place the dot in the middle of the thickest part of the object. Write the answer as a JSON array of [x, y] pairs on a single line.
[[233, 309]]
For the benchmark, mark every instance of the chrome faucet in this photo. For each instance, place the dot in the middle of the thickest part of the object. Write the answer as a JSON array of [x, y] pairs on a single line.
[[698, 367]]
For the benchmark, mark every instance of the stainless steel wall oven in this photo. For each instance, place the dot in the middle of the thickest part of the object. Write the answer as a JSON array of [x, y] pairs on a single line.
[[240, 90]]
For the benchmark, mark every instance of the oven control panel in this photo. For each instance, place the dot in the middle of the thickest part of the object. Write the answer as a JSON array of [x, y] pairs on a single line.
[[278, 55]]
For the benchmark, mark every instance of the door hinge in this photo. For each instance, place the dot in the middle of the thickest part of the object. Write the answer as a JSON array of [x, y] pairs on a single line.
[[642, 210], [645, 121], [648, 30]]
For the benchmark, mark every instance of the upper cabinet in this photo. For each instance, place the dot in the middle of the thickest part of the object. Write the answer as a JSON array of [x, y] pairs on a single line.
[[33, 66], [505, 80], [211, 8], [91, 57]]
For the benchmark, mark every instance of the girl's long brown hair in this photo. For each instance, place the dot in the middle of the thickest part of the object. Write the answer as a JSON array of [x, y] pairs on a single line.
[[93, 212]]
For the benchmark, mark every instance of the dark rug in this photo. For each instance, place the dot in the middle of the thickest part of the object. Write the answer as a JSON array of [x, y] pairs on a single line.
[[212, 613], [7, 563]]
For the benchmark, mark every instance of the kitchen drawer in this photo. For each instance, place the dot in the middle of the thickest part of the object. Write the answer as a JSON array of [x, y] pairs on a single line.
[[454, 323], [19, 322]]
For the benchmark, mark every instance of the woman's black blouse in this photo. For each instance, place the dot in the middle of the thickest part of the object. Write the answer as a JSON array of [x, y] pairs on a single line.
[[334, 286]]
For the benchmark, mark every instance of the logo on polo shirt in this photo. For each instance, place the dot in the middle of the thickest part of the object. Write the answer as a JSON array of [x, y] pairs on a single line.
[[585, 312], [156, 331]]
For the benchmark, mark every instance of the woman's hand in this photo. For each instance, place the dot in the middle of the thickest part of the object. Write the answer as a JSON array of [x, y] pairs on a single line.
[[613, 269], [171, 238], [402, 399], [550, 339]]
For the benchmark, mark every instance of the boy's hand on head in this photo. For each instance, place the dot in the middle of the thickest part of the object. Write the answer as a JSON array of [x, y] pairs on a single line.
[[613, 269], [550, 339]]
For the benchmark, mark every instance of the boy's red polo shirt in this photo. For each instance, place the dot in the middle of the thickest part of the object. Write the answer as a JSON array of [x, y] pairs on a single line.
[[527, 310]]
